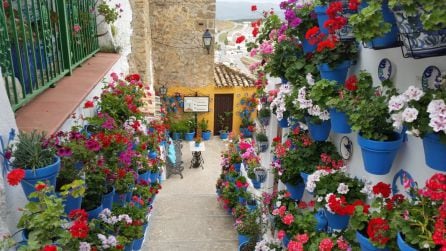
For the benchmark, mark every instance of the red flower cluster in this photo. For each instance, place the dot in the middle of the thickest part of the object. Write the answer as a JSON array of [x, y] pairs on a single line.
[[439, 235], [334, 9], [436, 187], [40, 186], [314, 35], [351, 83], [79, 229], [377, 229], [382, 188], [342, 207], [329, 163], [240, 39], [133, 78], [253, 7], [328, 44], [88, 104], [335, 24], [353, 5], [15, 176], [49, 248], [78, 214]]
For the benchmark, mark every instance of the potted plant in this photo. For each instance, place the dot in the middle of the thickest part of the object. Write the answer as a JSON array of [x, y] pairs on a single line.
[[229, 196], [236, 161], [421, 219], [337, 194], [248, 227], [95, 180], [262, 141], [246, 127], [197, 142], [36, 159], [369, 116], [205, 132], [190, 133], [375, 25], [420, 112], [222, 124], [264, 115], [241, 183], [335, 13], [373, 228]]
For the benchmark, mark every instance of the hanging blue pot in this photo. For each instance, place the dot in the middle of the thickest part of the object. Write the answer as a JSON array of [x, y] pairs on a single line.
[[154, 176], [304, 176], [144, 176], [46, 174], [241, 200], [176, 136], [223, 135], [206, 135], [72, 203], [107, 199], [252, 208], [321, 12], [308, 48], [94, 213], [181, 104], [319, 132], [256, 184], [237, 166], [339, 121], [403, 245], [338, 73], [171, 100], [265, 121], [366, 245], [321, 225], [434, 152], [129, 247], [175, 109], [285, 241], [390, 39], [128, 195], [243, 238], [242, 101], [378, 156], [137, 244], [336, 221], [189, 136], [296, 190], [283, 80], [120, 199], [153, 154], [283, 123], [246, 132]]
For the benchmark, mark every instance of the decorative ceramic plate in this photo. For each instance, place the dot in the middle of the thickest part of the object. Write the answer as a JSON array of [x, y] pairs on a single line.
[[385, 71], [431, 78], [346, 148]]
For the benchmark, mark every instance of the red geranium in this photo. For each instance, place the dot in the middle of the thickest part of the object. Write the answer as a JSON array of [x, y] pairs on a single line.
[[314, 35], [436, 187], [79, 229], [253, 7], [89, 104], [78, 214], [334, 9], [240, 39], [351, 83], [133, 78], [353, 5], [335, 24], [329, 44], [49, 248], [15, 176], [382, 188], [377, 229], [40, 186], [255, 32], [339, 205]]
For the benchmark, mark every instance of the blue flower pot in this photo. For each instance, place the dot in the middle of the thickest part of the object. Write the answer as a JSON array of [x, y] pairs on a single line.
[[241, 200], [390, 39], [335, 221], [296, 191], [120, 199], [285, 241], [144, 176], [197, 144], [319, 132], [283, 80], [46, 174], [321, 12], [321, 225], [176, 136], [154, 177], [366, 245], [256, 184], [283, 123], [129, 247], [107, 199], [243, 238], [128, 196], [339, 121], [153, 154], [307, 46], [206, 135], [189, 136], [237, 166], [434, 152], [242, 246], [304, 176], [20, 62], [245, 131], [378, 156], [338, 73], [224, 135], [93, 214], [265, 121], [137, 244], [72, 203], [251, 208], [403, 245]]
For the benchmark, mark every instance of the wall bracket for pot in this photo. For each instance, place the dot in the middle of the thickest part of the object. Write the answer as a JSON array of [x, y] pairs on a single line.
[[405, 180], [3, 149]]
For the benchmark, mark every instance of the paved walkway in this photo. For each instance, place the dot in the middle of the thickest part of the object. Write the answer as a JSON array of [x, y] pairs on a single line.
[[187, 216]]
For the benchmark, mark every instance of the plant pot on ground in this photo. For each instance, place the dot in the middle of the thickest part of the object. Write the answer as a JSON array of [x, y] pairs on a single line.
[[205, 132]]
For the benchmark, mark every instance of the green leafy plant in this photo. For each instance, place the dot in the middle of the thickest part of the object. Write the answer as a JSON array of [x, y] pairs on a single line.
[[285, 54], [261, 137], [235, 158], [250, 224], [110, 14], [335, 52], [432, 13], [33, 151], [369, 23], [265, 112], [204, 125]]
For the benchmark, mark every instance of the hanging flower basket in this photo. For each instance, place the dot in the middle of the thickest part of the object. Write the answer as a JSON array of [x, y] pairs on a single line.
[[283, 123], [338, 73], [319, 132], [416, 41], [46, 174], [322, 223], [336, 221], [296, 190], [339, 121], [365, 243], [346, 33], [378, 156], [434, 152], [307, 47], [403, 245]]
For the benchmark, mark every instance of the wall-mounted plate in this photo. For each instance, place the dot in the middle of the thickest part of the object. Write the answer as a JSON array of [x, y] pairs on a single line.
[[431, 78], [385, 69], [346, 148]]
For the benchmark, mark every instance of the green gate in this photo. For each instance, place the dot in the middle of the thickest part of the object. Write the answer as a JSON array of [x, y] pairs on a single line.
[[41, 41]]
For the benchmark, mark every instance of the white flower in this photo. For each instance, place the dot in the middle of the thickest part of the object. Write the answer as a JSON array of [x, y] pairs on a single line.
[[436, 106], [325, 115], [126, 218], [84, 246], [396, 103], [413, 93], [397, 120], [107, 242], [410, 114], [343, 188], [310, 79], [314, 110], [320, 199], [438, 124]]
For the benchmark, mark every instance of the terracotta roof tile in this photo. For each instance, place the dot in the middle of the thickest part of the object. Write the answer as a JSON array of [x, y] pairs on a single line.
[[225, 76]]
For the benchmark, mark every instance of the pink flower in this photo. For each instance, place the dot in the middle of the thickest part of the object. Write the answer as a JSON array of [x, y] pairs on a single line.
[[253, 52], [282, 210], [281, 234], [302, 238], [342, 244], [76, 28], [288, 219], [326, 244], [281, 38], [266, 48], [295, 246], [114, 76]]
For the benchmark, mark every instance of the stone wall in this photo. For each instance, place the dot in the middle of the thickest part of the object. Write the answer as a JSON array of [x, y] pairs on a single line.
[[178, 55]]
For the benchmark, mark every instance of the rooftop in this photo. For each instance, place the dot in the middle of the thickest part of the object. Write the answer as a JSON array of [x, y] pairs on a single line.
[[226, 76]]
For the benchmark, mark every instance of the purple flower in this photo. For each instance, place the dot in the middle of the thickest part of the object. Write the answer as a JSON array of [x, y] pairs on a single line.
[[295, 22], [64, 152], [283, 5], [290, 15], [282, 29], [92, 145], [8, 155], [291, 1]]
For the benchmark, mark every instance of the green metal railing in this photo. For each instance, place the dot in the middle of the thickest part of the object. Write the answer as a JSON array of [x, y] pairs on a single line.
[[41, 41]]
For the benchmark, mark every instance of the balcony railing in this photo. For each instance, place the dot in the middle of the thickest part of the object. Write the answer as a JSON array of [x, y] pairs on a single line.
[[41, 41]]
